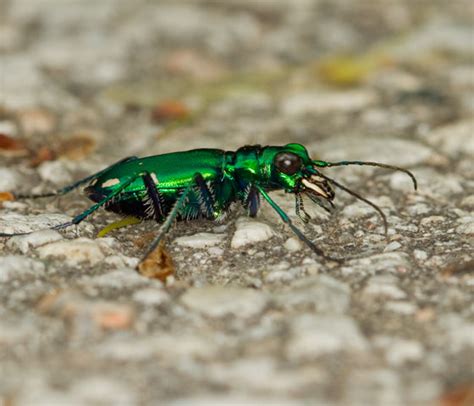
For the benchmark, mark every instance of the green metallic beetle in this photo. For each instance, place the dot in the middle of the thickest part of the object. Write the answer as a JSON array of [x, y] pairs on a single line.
[[203, 183]]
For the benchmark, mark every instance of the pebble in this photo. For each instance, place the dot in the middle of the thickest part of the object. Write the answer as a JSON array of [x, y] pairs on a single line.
[[405, 308], [216, 251], [326, 294], [420, 255], [357, 210], [120, 279], [74, 252], [468, 202], [459, 332], [200, 240], [55, 172], [19, 223], [249, 232], [24, 243], [217, 301], [94, 389], [8, 128], [466, 225], [293, 244], [399, 351], [313, 336], [374, 386], [151, 296], [163, 346], [87, 317], [9, 180], [233, 400], [384, 286], [15, 266], [401, 182], [393, 246], [454, 139], [279, 277], [389, 262], [262, 374]]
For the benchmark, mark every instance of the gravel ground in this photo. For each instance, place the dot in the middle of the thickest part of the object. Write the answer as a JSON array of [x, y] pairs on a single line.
[[250, 316]]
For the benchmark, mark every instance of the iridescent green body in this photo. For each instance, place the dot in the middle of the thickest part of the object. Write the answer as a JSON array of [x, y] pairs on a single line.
[[203, 183], [229, 176]]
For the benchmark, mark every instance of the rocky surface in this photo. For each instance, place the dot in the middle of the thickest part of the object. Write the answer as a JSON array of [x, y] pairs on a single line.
[[250, 316]]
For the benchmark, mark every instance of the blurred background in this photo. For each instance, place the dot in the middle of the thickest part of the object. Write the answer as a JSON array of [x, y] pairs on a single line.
[[142, 77], [84, 83]]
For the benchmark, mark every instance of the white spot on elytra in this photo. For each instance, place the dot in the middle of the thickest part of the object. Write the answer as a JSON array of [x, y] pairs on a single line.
[[111, 182], [153, 176]]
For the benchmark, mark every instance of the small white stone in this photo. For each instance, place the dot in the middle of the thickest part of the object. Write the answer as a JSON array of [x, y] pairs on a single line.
[[393, 246], [9, 180], [468, 202], [401, 351], [420, 255], [357, 210], [233, 400], [121, 279], [151, 297], [459, 332], [94, 389], [217, 301], [293, 244], [55, 172], [401, 182], [384, 286], [324, 293], [431, 220], [74, 252], [466, 226], [313, 336], [216, 251], [405, 308], [200, 240], [454, 139], [13, 266], [279, 277], [18, 223], [386, 263], [25, 242], [8, 127], [250, 232]]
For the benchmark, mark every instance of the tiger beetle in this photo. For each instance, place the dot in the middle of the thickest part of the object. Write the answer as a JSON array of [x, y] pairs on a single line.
[[202, 183]]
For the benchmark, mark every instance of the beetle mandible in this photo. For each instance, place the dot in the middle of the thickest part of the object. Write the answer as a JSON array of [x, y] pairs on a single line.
[[202, 183]]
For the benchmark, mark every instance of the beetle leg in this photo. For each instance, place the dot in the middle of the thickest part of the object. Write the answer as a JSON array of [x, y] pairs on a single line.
[[299, 209], [173, 213], [298, 233], [252, 202], [155, 197], [72, 186], [206, 198]]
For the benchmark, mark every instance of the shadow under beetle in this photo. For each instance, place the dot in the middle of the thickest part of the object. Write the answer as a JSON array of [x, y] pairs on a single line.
[[202, 183]]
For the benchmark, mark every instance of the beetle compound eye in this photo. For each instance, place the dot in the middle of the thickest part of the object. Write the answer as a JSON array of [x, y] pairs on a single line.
[[287, 162]]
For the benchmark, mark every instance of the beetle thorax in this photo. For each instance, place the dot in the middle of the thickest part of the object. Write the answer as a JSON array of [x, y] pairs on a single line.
[[245, 165]]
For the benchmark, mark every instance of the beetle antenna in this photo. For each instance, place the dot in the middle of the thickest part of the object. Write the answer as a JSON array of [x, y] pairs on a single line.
[[358, 196], [324, 164]]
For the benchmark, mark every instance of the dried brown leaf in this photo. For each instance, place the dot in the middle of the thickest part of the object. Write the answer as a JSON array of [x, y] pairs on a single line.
[[157, 265]]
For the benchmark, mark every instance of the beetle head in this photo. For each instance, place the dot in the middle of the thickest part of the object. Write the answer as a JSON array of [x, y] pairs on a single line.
[[294, 171]]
